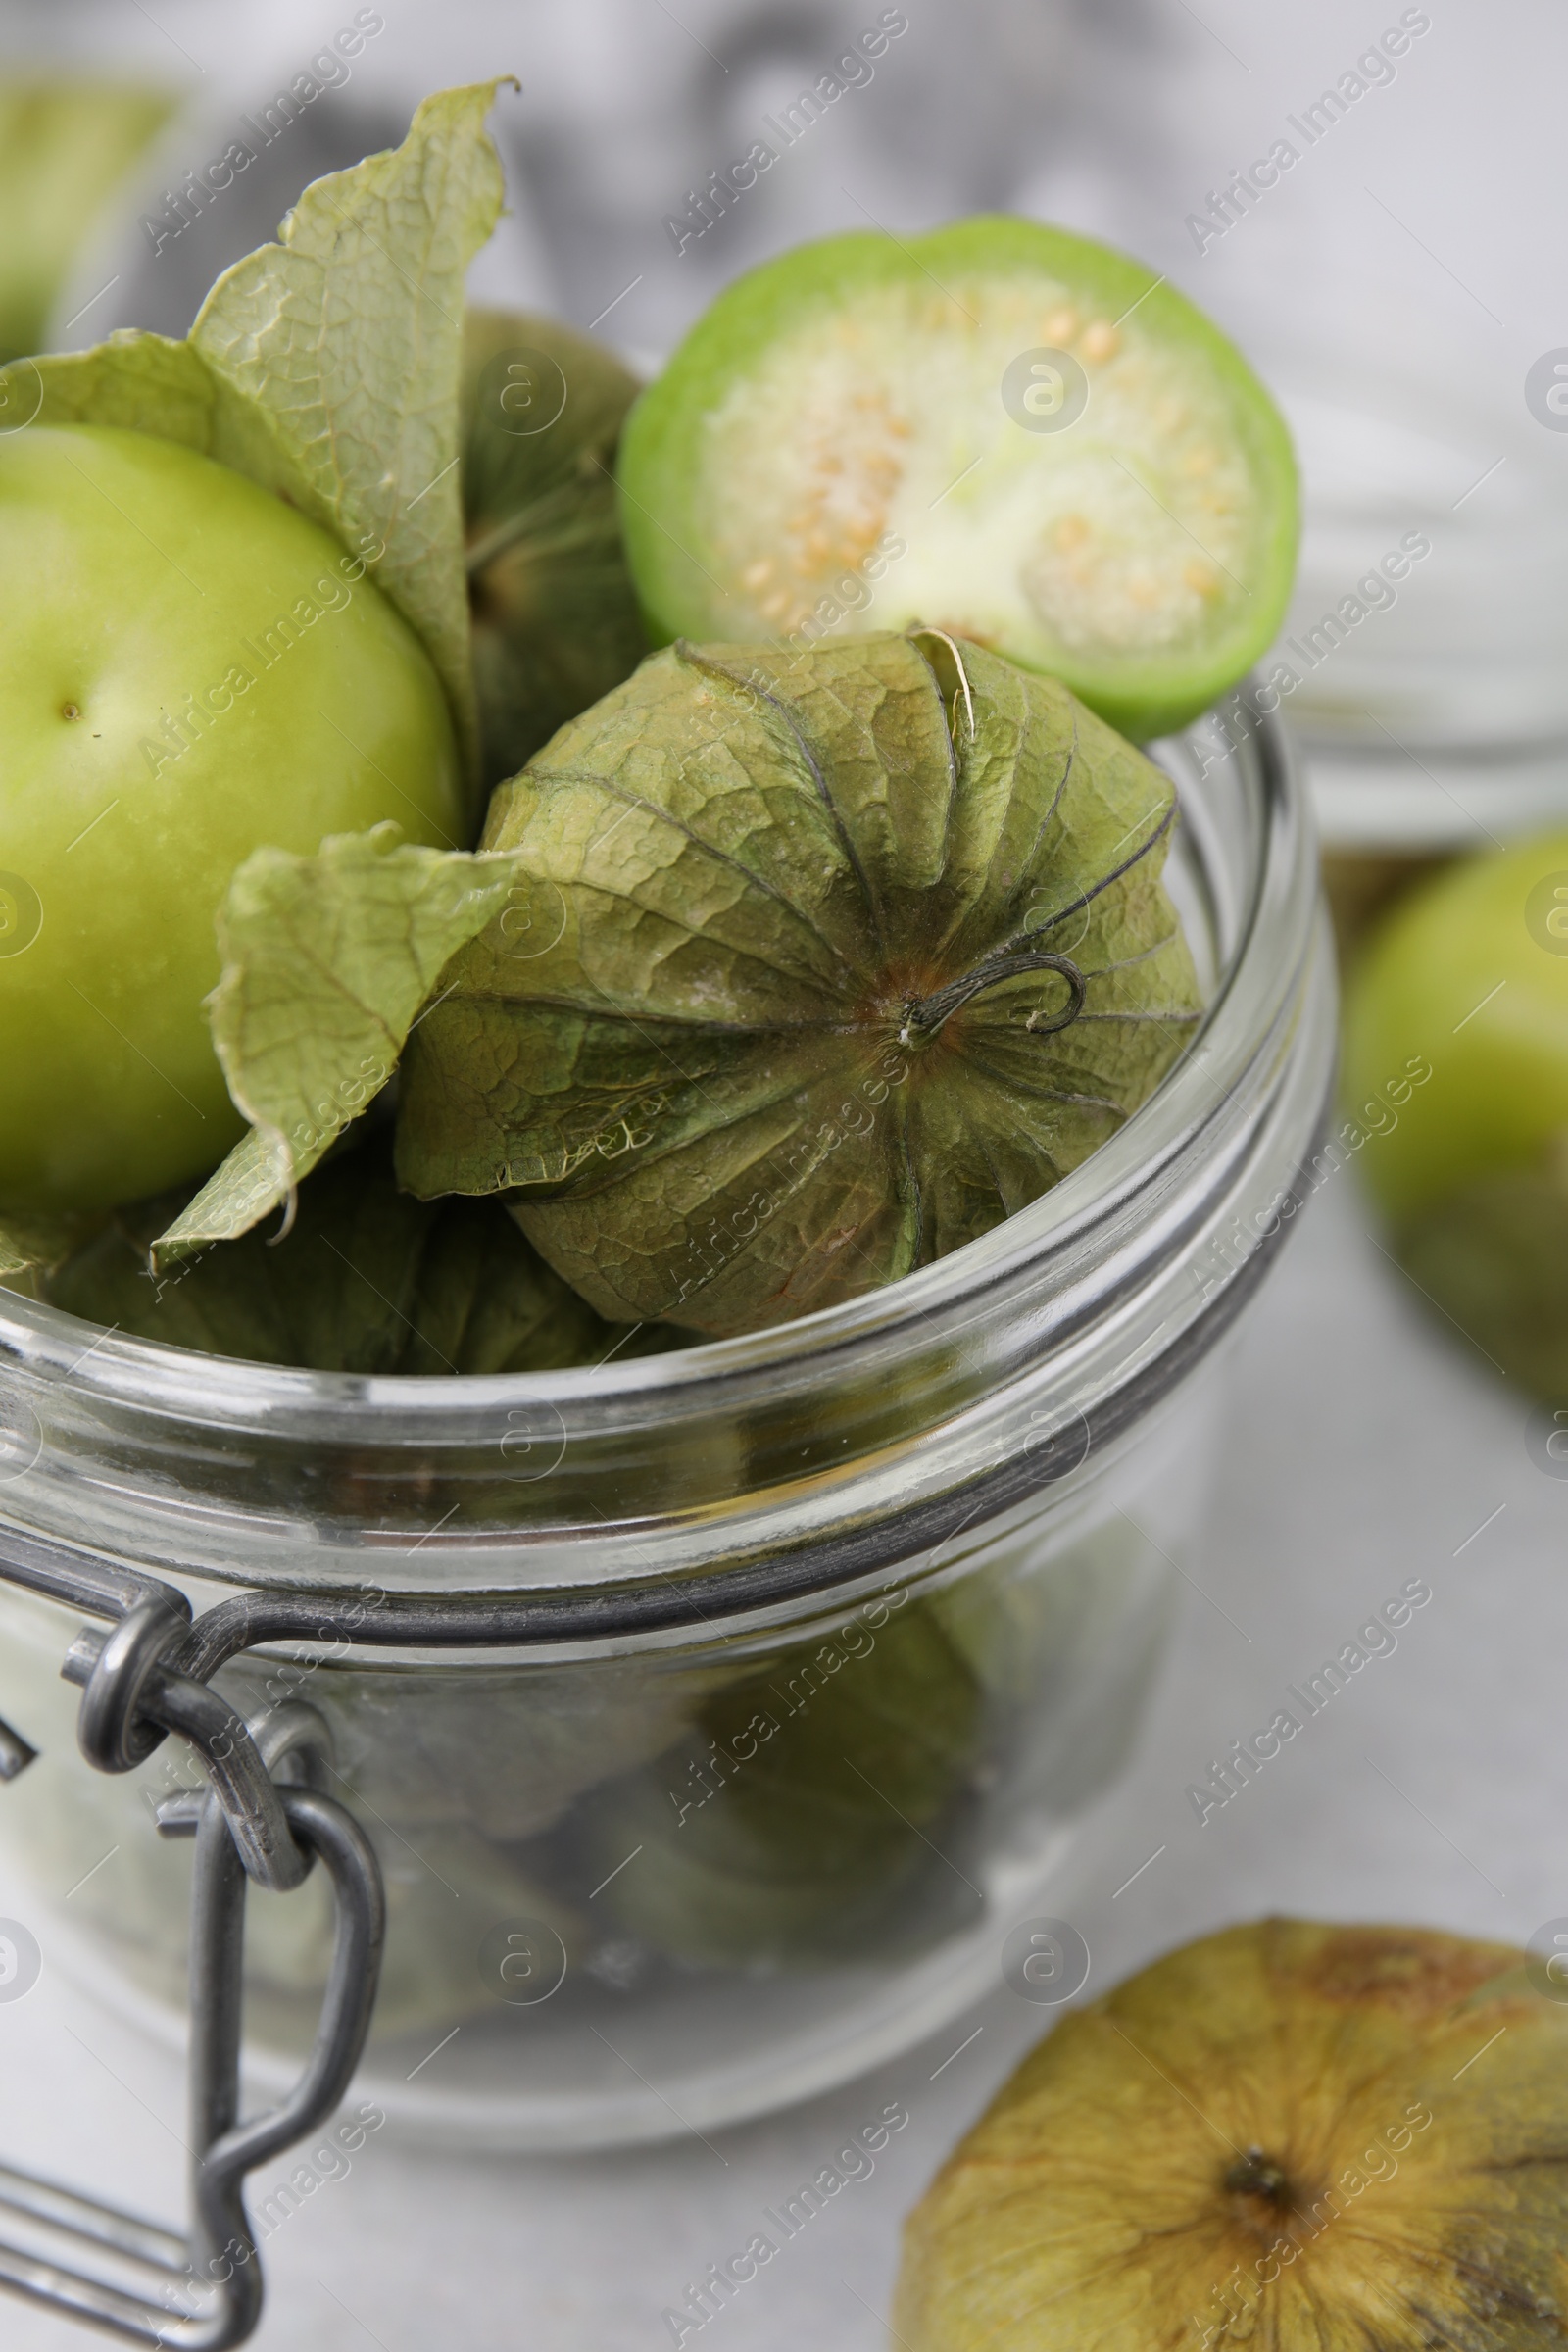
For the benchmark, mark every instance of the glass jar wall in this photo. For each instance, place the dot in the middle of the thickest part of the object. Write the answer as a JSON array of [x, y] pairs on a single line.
[[838, 1630]]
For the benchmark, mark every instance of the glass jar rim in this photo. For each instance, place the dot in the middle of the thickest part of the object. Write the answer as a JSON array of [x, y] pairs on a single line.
[[1258, 974], [1068, 1264]]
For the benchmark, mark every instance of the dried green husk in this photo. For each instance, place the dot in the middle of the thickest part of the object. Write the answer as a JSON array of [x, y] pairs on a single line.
[[1291, 2135], [554, 617], [833, 961], [827, 1803], [32, 1246], [327, 962], [366, 1280], [328, 959]]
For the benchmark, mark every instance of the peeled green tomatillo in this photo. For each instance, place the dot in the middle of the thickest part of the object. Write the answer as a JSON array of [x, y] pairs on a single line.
[[1005, 431], [1468, 978], [192, 669], [64, 145], [1472, 972]]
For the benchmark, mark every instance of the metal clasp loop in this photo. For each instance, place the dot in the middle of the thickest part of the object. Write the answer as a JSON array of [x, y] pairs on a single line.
[[205, 2294], [114, 2269], [114, 1730], [130, 1699]]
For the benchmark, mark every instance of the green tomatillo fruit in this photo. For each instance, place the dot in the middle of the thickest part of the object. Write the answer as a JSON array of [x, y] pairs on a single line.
[[192, 669], [818, 967], [556, 621], [64, 145], [999, 427], [1304, 2137], [1467, 981]]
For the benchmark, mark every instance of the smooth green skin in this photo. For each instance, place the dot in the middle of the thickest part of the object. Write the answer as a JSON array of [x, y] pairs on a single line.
[[661, 448], [1498, 1090], [64, 146], [135, 574]]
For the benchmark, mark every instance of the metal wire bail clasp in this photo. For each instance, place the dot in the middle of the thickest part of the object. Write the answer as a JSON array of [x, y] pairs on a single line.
[[258, 1818], [131, 1697]]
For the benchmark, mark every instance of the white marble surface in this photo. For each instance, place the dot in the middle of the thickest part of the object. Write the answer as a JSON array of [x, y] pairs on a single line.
[[1365, 1449]]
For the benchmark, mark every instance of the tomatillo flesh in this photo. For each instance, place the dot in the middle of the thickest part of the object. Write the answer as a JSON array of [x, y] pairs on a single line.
[[1001, 429]]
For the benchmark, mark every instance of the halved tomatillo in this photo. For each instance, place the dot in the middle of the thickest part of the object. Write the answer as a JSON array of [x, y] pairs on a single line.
[[1004, 429]]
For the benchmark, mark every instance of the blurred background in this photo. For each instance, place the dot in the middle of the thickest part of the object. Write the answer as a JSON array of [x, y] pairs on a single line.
[[1401, 282], [1397, 268]]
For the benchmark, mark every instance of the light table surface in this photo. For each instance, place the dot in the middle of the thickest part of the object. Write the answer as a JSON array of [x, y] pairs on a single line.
[[1362, 1449]]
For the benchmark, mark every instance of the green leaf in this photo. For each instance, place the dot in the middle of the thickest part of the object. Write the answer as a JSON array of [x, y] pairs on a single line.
[[327, 962], [141, 383], [64, 147], [555, 619], [839, 959], [365, 1280], [326, 366], [32, 1244]]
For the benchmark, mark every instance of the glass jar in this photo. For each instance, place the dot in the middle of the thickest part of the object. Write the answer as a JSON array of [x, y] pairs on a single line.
[[1429, 699], [840, 1627]]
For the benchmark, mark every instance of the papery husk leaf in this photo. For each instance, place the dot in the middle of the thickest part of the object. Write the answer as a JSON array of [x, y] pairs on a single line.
[[556, 621], [366, 1280], [327, 962]]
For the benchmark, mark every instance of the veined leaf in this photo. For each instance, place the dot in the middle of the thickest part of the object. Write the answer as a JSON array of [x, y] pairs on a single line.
[[327, 962], [837, 960], [344, 345], [142, 384]]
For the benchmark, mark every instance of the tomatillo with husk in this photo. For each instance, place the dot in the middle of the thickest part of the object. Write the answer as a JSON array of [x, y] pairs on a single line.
[[818, 967], [802, 1813], [555, 616], [1309, 2137]]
